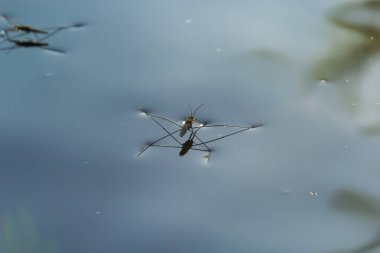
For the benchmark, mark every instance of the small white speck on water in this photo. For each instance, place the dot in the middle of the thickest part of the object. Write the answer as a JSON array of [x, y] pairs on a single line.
[[347, 80], [188, 21], [313, 194], [98, 212], [353, 104], [378, 103], [346, 146], [323, 83], [218, 49]]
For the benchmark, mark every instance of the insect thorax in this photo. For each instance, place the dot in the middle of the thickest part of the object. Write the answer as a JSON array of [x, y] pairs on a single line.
[[189, 120]]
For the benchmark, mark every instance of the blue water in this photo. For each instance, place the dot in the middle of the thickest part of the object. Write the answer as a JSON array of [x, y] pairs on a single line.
[[70, 129]]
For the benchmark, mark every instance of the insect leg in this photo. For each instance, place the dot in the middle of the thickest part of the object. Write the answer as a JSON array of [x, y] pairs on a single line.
[[5, 35], [224, 136], [153, 143], [8, 49], [202, 142], [59, 29], [158, 123], [233, 126], [163, 118], [170, 146], [51, 34]]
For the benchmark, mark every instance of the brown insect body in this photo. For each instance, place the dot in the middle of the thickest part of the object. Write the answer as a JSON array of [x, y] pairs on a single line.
[[189, 121], [27, 29], [187, 125]]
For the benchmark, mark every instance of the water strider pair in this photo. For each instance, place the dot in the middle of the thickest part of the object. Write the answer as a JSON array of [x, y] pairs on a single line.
[[19, 35]]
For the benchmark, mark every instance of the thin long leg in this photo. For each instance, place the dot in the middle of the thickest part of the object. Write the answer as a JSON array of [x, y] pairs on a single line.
[[9, 49], [50, 34], [9, 19], [171, 134], [36, 36], [170, 146], [232, 126], [153, 143], [163, 118], [58, 29], [197, 149], [224, 136], [202, 142], [76, 25], [11, 37], [158, 123]]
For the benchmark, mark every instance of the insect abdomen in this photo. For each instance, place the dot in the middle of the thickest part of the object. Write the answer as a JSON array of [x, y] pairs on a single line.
[[183, 130]]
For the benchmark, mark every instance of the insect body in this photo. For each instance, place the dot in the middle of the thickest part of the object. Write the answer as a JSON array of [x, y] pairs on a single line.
[[18, 27], [26, 29], [188, 123]]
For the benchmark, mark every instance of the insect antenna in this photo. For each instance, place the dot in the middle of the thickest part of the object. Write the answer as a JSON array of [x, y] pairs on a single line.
[[197, 109], [191, 111]]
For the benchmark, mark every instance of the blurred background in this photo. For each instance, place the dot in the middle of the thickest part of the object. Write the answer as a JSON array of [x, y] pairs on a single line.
[[70, 127]]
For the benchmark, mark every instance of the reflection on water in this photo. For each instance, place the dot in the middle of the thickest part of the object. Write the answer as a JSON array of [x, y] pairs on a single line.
[[19, 234], [363, 206], [348, 67]]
